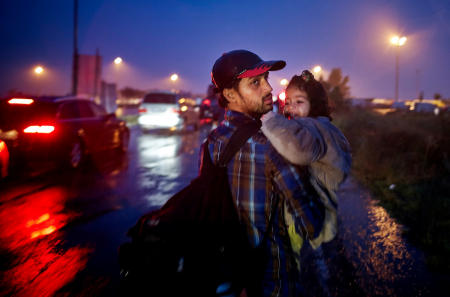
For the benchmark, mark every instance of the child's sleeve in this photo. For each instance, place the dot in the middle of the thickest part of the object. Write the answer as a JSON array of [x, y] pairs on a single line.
[[299, 140]]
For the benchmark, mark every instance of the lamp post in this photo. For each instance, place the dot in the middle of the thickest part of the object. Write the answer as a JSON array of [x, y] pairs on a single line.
[[174, 78], [39, 71], [75, 49], [118, 61], [397, 42]]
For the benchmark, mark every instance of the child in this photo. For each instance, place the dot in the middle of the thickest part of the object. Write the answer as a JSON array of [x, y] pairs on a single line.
[[306, 109]]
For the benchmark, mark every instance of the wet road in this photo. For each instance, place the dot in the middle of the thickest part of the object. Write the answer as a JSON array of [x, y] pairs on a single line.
[[59, 232]]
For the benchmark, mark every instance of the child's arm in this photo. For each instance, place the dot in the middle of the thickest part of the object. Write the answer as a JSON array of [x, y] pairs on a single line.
[[299, 141]]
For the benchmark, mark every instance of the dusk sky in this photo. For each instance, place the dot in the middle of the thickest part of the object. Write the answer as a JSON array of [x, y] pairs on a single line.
[[158, 38]]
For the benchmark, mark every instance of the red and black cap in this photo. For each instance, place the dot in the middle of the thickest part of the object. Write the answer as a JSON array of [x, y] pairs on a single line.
[[240, 64]]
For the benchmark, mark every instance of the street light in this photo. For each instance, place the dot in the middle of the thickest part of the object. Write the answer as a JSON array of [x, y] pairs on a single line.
[[174, 77], [117, 60], [284, 82], [38, 70], [398, 42], [317, 69]]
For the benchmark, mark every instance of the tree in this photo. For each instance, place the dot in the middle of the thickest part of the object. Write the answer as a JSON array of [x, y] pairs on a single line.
[[335, 80], [337, 88], [437, 96]]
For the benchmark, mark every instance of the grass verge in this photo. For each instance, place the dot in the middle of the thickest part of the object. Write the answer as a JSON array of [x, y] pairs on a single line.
[[403, 159]]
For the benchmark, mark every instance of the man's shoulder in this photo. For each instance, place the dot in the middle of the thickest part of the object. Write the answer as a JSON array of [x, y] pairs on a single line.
[[258, 142], [221, 133]]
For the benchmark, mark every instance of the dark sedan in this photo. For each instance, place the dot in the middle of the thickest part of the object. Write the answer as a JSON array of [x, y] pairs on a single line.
[[64, 129]]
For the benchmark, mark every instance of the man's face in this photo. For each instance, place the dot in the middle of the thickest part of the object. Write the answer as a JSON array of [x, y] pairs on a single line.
[[254, 95]]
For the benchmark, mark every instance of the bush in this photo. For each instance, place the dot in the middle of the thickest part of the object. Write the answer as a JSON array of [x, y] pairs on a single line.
[[410, 151]]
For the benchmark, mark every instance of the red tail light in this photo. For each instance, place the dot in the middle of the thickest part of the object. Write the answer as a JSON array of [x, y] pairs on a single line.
[[282, 96], [25, 101], [2, 146], [142, 110], [207, 102], [46, 129]]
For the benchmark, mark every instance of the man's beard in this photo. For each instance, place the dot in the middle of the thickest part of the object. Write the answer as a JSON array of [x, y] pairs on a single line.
[[264, 108]]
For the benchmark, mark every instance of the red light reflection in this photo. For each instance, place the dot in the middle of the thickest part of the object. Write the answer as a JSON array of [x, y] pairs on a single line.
[[205, 121], [31, 231]]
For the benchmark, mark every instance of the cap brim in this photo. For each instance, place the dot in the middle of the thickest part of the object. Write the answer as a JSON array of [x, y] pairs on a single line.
[[262, 67]]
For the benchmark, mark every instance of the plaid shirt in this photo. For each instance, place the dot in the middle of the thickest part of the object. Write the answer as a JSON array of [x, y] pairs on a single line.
[[257, 176]]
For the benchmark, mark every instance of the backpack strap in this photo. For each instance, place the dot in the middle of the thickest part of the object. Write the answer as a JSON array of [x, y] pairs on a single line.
[[237, 140]]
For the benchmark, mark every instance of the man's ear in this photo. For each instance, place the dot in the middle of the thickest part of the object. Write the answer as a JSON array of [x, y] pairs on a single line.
[[230, 94]]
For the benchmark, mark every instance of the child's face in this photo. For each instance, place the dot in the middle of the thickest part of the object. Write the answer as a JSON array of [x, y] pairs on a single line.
[[297, 103]]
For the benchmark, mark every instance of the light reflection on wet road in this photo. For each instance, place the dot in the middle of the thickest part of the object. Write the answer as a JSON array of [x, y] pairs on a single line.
[[59, 233], [384, 263], [31, 231]]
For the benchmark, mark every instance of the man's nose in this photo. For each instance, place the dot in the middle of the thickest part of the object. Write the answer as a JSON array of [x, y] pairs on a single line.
[[267, 86]]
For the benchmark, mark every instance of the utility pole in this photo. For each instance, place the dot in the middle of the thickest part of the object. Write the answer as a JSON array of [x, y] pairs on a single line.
[[418, 83], [75, 49], [97, 84], [397, 58]]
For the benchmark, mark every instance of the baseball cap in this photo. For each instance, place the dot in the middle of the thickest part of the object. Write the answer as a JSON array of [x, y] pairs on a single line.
[[240, 64]]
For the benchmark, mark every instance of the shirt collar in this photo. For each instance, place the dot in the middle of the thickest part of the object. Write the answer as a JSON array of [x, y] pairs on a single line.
[[236, 118]]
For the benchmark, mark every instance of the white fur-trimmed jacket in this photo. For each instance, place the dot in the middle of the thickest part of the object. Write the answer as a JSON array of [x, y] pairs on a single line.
[[328, 157]]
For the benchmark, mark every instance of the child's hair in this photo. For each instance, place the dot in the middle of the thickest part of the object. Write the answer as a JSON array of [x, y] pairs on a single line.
[[318, 98]]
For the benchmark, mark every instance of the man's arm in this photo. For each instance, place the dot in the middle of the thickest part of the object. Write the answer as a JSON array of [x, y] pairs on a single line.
[[299, 140]]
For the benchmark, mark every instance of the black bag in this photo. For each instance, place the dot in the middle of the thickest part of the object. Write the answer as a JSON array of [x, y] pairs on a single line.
[[194, 245]]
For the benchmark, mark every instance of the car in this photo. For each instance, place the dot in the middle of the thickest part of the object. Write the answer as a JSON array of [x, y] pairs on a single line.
[[64, 130], [400, 105], [4, 160], [424, 107], [160, 110], [211, 110], [189, 112], [167, 111]]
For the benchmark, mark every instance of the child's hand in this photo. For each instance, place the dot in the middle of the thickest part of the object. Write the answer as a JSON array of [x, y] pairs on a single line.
[[267, 116]]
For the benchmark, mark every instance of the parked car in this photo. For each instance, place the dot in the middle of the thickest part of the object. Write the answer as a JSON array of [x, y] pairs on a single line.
[[64, 130], [425, 107], [166, 110], [400, 105]]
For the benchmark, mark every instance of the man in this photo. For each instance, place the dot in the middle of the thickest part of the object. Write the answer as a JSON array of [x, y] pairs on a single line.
[[260, 179]]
